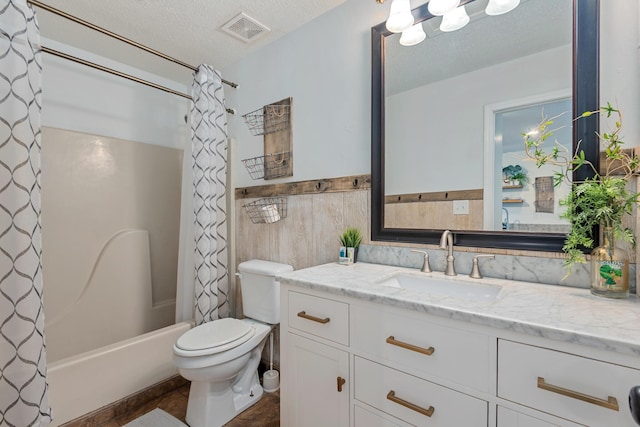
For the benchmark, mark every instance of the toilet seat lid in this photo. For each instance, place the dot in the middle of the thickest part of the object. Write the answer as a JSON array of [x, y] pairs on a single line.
[[217, 336]]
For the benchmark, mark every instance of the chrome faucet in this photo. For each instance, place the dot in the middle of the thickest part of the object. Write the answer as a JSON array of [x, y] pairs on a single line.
[[446, 242]]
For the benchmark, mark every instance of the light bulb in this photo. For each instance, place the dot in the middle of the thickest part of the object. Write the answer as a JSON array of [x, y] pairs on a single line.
[[400, 17], [413, 35], [498, 7], [441, 7], [455, 19]]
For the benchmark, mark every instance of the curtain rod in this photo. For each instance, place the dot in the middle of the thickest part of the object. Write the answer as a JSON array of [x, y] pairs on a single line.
[[119, 74], [119, 37]]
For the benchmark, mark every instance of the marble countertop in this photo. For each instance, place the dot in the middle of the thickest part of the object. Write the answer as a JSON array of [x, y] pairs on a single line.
[[554, 312]]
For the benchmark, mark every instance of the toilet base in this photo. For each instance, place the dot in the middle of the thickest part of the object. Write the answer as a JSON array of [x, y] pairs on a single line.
[[209, 407]]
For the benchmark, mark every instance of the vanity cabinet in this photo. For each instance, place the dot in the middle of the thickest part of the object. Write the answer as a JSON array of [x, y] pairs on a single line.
[[398, 365], [366, 361], [316, 382], [318, 375], [509, 418], [580, 389]]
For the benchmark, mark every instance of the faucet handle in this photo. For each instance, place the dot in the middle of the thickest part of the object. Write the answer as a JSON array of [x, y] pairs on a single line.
[[426, 268], [475, 270]]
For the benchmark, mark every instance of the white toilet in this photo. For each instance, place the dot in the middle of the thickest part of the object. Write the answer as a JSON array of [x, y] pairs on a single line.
[[221, 358]]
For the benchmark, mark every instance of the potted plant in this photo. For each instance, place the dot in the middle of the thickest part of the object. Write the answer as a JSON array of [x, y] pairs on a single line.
[[600, 201], [351, 239], [514, 175]]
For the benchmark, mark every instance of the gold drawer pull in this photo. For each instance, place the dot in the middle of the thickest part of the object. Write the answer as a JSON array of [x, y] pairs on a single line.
[[341, 382], [313, 318], [610, 403], [392, 397], [428, 351]]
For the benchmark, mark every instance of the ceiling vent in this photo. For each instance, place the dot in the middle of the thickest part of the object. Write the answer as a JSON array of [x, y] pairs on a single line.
[[244, 28]]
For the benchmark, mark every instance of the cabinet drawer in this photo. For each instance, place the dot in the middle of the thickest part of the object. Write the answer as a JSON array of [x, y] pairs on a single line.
[[458, 355], [416, 401], [364, 418], [318, 316], [582, 390], [509, 418]]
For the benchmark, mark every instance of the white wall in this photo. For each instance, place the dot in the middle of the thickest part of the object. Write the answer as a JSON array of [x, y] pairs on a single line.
[[416, 125], [620, 62], [79, 98], [325, 66]]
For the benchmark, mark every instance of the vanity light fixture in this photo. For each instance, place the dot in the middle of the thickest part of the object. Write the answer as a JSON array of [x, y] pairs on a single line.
[[400, 16], [413, 35], [455, 19], [498, 7], [441, 7]]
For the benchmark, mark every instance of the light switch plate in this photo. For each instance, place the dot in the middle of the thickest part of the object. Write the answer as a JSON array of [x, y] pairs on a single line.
[[461, 207]]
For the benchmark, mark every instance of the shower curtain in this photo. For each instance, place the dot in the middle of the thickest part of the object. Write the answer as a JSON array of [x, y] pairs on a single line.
[[209, 161], [23, 386]]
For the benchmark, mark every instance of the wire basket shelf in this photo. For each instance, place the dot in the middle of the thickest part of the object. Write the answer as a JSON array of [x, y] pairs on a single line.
[[268, 166], [267, 210], [268, 119]]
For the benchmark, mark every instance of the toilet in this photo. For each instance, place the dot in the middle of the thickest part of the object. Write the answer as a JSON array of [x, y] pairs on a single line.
[[221, 358]]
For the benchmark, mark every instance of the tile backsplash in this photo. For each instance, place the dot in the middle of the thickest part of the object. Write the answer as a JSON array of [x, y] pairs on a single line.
[[549, 271]]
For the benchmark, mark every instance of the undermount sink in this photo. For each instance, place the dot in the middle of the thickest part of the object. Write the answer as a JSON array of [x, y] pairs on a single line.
[[449, 286]]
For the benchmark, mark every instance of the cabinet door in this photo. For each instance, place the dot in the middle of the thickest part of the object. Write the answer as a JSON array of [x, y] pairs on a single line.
[[509, 418], [314, 373]]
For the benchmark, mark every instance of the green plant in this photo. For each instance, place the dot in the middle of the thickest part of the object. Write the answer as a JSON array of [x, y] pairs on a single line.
[[351, 237], [600, 200], [515, 173]]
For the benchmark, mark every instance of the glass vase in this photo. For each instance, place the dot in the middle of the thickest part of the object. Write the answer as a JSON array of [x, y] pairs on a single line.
[[609, 268]]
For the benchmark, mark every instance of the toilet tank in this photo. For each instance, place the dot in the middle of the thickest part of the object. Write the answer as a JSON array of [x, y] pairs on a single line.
[[260, 290]]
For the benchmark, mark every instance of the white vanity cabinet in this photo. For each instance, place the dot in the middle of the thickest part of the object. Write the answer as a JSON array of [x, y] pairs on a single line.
[[396, 368], [360, 355], [580, 389], [315, 384], [509, 418]]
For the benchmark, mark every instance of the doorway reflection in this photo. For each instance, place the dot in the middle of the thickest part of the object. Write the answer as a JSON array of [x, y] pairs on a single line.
[[524, 196]]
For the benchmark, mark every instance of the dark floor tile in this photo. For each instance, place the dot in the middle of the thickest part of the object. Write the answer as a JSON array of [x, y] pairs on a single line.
[[265, 413]]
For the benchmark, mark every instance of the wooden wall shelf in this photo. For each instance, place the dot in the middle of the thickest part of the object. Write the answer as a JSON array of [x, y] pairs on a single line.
[[511, 187], [507, 201]]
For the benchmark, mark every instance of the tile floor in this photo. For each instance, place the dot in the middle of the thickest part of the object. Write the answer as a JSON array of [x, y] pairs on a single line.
[[265, 413]]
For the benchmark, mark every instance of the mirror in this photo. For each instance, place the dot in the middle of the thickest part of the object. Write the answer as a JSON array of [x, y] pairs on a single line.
[[438, 108]]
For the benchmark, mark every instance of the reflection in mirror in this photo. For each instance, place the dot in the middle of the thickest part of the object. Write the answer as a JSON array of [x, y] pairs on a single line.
[[435, 106], [518, 195]]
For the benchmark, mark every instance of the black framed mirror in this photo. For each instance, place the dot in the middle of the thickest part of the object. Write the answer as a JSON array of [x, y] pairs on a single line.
[[584, 97]]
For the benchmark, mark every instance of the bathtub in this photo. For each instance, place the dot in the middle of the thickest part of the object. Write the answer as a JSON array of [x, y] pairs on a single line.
[[83, 383]]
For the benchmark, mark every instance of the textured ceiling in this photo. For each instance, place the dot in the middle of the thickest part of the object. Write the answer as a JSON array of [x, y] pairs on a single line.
[[188, 30]]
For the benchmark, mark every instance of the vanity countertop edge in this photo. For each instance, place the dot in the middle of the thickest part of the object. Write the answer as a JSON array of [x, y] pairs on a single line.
[[555, 312]]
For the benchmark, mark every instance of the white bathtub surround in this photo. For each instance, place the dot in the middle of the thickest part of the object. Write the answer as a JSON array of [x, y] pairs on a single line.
[[209, 153], [554, 312], [23, 383], [109, 239]]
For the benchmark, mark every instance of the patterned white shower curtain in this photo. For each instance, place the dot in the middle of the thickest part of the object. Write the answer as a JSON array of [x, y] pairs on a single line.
[[209, 155], [23, 386]]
